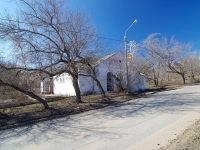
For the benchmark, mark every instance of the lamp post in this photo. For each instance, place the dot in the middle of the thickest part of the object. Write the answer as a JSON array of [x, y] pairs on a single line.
[[126, 62]]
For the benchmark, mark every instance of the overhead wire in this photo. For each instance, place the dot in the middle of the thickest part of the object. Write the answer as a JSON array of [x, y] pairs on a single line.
[[102, 37]]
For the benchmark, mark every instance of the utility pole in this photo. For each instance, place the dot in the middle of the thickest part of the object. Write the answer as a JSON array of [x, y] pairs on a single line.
[[126, 55]]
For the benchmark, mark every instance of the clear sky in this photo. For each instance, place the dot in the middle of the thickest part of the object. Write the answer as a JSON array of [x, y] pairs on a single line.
[[178, 18]]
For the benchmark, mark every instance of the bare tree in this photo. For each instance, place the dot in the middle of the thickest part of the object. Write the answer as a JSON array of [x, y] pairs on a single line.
[[86, 64], [151, 46], [48, 29], [170, 53], [21, 81], [134, 75], [118, 79], [193, 67]]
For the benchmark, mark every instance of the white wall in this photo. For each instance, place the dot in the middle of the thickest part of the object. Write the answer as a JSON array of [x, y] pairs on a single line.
[[115, 64], [138, 82], [86, 84], [63, 85]]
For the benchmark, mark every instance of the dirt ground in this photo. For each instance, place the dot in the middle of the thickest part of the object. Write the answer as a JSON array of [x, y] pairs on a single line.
[[189, 140], [17, 109], [23, 111]]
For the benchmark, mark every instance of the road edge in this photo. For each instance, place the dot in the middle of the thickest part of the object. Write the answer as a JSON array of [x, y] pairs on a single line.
[[163, 137]]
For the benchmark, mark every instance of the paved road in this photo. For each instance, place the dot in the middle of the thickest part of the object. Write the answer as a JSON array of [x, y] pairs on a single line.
[[116, 127]]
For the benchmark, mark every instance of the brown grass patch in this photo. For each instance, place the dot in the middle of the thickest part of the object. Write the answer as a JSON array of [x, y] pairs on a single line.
[[21, 109]]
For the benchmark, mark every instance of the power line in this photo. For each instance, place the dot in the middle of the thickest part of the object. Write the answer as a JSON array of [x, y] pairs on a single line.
[[111, 39], [102, 37]]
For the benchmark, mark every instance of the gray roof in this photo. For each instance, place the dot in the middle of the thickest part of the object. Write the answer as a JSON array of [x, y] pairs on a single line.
[[97, 61]]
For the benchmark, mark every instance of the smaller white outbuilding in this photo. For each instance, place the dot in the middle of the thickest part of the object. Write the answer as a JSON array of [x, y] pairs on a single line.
[[105, 67]]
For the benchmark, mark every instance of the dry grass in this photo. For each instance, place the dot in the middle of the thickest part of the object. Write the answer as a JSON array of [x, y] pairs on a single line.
[[16, 109], [189, 140]]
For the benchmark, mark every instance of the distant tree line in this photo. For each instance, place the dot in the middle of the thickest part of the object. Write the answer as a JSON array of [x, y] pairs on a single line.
[[165, 60]]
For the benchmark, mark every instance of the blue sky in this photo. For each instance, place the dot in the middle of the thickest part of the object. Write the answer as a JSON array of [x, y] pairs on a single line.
[[178, 18]]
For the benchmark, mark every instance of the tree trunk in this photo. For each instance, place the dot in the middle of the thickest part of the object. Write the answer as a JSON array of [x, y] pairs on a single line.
[[183, 77], [118, 82], [94, 76], [51, 86], [76, 88], [155, 78], [31, 94], [100, 87], [192, 75], [156, 82], [119, 86]]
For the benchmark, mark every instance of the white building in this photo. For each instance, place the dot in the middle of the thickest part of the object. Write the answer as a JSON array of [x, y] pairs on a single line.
[[105, 66]]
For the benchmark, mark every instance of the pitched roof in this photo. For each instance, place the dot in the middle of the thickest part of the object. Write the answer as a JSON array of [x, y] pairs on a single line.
[[97, 61]]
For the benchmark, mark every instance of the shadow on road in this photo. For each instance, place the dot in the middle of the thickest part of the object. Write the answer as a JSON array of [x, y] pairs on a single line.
[[97, 121]]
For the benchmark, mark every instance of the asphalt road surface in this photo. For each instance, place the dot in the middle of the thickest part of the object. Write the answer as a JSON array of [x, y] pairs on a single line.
[[144, 123]]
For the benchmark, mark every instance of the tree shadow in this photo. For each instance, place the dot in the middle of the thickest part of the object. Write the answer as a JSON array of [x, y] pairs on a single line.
[[102, 123]]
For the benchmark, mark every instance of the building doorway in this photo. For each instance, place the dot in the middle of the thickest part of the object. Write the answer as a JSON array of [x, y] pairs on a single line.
[[110, 82]]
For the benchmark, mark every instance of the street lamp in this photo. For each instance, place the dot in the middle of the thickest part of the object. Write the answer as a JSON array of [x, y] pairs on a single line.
[[126, 62]]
